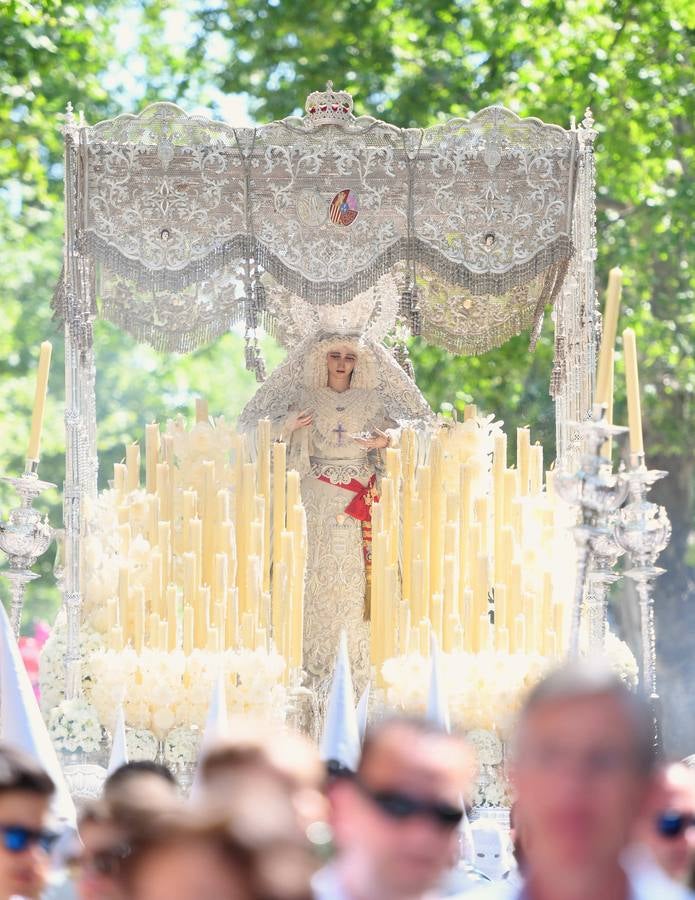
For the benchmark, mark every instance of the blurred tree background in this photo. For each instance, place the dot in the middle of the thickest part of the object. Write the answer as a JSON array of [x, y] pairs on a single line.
[[411, 62]]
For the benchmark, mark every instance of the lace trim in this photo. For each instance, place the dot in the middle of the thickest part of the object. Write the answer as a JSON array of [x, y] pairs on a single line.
[[340, 472]]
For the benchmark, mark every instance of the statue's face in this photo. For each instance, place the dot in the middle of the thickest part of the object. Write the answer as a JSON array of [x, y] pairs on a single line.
[[341, 361]]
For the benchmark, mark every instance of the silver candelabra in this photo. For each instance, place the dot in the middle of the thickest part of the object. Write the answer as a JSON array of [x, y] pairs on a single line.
[[598, 493], [24, 537], [602, 574], [643, 531]]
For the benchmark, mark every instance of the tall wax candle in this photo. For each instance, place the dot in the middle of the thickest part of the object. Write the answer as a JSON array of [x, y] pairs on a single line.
[[132, 461], [190, 511], [220, 586], [190, 585], [153, 642], [535, 469], [164, 543], [172, 604], [124, 538], [119, 478], [40, 394], [634, 407], [123, 595], [519, 642], [209, 519], [607, 449], [201, 410], [138, 601], [610, 327], [162, 476], [523, 448], [156, 583], [195, 540], [232, 618], [188, 629], [152, 441]]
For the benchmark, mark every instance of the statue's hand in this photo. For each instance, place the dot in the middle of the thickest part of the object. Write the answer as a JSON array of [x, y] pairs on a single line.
[[377, 441], [302, 420]]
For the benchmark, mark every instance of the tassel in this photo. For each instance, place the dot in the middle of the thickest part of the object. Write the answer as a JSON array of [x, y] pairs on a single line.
[[259, 365], [259, 296], [249, 355]]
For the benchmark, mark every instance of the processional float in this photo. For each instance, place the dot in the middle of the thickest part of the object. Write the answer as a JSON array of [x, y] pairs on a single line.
[[179, 227]]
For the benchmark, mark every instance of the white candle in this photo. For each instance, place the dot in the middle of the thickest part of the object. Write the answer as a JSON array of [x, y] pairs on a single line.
[[39, 400], [634, 407], [610, 326]]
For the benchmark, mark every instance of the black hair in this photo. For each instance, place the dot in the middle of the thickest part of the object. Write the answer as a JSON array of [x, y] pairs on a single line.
[[139, 767], [20, 772]]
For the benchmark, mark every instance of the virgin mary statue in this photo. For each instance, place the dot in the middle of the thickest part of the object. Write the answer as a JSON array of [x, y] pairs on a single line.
[[339, 400]]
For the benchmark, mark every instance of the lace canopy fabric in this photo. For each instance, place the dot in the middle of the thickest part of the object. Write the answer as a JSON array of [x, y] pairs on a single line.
[[179, 217]]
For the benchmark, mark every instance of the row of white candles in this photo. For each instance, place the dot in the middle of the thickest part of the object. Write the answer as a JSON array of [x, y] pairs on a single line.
[[210, 554], [468, 541]]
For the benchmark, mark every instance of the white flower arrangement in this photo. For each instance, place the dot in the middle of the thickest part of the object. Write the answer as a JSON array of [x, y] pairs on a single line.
[[52, 661], [622, 660], [488, 747], [74, 727], [162, 691], [181, 746], [492, 789], [485, 690], [140, 744]]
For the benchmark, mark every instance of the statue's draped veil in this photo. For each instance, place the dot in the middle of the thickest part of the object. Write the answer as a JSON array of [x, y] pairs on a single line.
[[305, 369]]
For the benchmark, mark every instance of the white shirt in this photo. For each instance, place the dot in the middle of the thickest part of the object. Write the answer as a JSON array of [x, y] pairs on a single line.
[[644, 885], [327, 885]]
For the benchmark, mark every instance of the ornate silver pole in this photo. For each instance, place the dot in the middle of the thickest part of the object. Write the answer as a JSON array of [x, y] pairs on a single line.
[[24, 537], [644, 530], [576, 315], [598, 493], [80, 425], [601, 576]]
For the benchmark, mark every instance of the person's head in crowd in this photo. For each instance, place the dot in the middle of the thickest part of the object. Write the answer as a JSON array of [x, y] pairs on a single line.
[[668, 827], [191, 856], [26, 792], [104, 843], [396, 821], [140, 782], [273, 759], [582, 769]]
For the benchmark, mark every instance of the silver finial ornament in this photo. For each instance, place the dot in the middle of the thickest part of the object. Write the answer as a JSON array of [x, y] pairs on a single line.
[[24, 537]]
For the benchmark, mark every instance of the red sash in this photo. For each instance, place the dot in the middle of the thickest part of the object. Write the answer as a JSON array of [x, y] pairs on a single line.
[[360, 508]]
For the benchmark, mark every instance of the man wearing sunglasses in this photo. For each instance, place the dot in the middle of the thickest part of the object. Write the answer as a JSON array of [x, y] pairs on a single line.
[[583, 771], [25, 842], [667, 830], [395, 821]]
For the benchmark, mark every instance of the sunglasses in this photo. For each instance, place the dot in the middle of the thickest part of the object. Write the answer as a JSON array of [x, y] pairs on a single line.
[[673, 824], [400, 806], [17, 838], [107, 862]]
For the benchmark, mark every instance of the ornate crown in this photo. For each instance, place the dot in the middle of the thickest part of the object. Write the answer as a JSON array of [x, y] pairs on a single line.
[[328, 107]]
